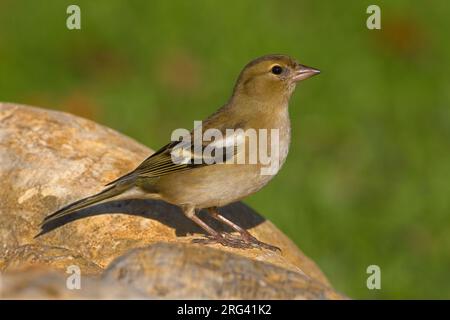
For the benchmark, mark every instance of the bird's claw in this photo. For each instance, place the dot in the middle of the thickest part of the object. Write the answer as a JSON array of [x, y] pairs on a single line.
[[243, 242], [224, 239], [247, 237]]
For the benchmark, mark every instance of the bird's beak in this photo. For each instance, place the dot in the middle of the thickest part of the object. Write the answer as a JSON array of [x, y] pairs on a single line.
[[304, 72]]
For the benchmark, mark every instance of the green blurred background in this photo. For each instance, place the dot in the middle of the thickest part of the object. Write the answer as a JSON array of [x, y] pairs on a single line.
[[368, 176]]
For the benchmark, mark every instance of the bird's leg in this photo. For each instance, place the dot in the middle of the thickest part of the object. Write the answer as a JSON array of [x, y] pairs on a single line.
[[213, 235], [245, 235]]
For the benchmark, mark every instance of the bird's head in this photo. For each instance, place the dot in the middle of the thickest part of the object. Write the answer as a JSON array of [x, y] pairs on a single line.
[[271, 78]]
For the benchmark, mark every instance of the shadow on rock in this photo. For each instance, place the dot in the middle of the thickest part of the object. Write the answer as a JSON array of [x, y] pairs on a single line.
[[166, 213]]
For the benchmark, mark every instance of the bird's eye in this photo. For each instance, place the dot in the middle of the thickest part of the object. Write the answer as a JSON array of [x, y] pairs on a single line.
[[277, 69]]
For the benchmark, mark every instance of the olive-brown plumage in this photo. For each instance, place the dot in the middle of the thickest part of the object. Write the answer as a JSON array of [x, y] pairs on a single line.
[[259, 101]]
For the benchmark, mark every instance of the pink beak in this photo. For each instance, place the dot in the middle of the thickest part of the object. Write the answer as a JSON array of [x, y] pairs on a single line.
[[304, 72]]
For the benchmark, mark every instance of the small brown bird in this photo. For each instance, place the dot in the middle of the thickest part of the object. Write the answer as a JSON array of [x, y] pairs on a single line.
[[174, 173]]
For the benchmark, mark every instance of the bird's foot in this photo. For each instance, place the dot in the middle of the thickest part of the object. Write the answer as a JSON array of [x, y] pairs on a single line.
[[226, 240], [248, 238], [245, 241]]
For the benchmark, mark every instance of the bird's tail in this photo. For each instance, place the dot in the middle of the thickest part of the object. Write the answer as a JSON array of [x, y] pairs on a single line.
[[107, 193]]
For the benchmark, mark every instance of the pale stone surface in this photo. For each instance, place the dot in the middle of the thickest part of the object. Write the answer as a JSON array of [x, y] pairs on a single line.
[[49, 158], [39, 283], [175, 270]]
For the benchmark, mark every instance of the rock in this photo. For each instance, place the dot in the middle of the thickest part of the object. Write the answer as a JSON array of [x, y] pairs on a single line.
[[50, 158], [25, 256], [38, 283], [176, 271]]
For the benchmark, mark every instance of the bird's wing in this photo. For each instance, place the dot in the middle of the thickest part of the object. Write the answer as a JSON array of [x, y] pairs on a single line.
[[182, 155]]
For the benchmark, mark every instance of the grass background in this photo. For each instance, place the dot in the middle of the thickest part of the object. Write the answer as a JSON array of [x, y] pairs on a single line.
[[368, 176]]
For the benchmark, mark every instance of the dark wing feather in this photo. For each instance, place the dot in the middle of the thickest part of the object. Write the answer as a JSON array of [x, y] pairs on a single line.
[[158, 164], [161, 162]]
